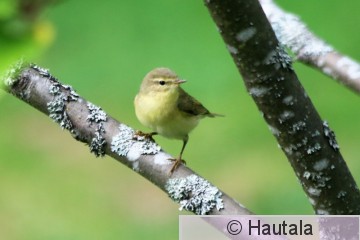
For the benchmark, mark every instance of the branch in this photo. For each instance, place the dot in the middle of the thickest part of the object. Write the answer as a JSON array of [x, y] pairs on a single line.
[[310, 49], [307, 141], [104, 135]]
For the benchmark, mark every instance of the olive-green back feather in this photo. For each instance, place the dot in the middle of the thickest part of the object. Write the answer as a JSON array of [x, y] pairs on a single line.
[[190, 105]]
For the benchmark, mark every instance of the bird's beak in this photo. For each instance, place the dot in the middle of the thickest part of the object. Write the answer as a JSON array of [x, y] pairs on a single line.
[[179, 81]]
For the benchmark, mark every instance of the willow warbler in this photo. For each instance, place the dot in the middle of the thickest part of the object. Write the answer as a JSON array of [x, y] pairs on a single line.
[[163, 106]]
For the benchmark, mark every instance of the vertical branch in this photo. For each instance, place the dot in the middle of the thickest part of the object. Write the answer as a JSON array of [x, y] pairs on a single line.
[[307, 141]]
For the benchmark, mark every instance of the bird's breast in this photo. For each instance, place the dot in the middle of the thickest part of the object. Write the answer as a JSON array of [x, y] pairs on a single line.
[[160, 113], [154, 109]]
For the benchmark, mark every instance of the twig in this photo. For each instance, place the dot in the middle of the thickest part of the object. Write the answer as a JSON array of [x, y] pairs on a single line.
[[307, 141], [310, 49], [104, 135]]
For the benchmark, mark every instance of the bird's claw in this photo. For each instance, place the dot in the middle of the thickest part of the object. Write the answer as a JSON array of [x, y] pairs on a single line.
[[148, 136], [177, 162]]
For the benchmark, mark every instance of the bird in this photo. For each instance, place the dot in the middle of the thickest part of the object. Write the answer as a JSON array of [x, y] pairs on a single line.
[[168, 110]]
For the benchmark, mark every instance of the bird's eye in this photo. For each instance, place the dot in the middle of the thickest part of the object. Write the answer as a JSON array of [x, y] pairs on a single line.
[[162, 83]]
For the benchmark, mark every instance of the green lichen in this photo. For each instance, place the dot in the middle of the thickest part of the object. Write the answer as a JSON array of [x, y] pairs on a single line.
[[8, 78]]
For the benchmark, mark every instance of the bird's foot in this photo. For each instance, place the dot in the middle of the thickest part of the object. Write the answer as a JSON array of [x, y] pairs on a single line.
[[148, 136], [177, 162]]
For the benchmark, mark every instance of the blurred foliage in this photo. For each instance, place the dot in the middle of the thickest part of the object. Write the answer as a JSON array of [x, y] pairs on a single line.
[[23, 30], [53, 188]]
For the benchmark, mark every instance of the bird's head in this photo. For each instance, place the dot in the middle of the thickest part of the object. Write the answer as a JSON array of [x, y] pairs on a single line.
[[160, 80]]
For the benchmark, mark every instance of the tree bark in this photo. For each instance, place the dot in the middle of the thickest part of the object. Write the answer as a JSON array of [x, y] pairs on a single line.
[[310, 49], [307, 141]]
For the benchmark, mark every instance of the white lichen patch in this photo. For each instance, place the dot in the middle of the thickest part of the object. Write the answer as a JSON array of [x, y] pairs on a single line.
[[314, 191], [321, 165], [42, 71], [341, 194], [286, 115], [322, 212], [134, 153], [279, 58], [316, 133], [96, 114], [258, 91], [307, 175], [330, 136], [122, 142], [54, 89], [288, 100], [329, 71], [62, 95], [98, 142], [73, 96], [313, 149], [288, 150], [133, 156], [291, 148], [127, 144], [246, 34], [194, 194], [293, 33], [320, 180], [298, 126], [351, 67], [162, 158], [232, 49], [56, 109], [276, 132]]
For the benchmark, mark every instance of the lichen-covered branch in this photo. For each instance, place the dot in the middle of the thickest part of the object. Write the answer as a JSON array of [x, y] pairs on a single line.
[[104, 135], [307, 141], [310, 49]]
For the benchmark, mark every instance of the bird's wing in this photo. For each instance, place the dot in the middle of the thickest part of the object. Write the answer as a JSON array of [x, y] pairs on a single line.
[[190, 105]]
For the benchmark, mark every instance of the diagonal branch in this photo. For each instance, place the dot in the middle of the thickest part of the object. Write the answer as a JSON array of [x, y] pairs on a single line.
[[307, 141], [310, 49], [104, 135]]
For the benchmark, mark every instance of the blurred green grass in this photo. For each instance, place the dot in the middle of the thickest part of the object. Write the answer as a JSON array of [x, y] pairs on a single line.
[[53, 188]]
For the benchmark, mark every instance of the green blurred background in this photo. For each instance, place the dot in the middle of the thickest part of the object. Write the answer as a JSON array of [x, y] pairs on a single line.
[[51, 187]]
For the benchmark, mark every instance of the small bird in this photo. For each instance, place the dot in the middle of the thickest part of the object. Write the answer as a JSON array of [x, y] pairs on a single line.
[[163, 106]]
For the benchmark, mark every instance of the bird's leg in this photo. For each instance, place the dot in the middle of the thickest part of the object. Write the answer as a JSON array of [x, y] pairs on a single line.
[[145, 135], [179, 159]]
